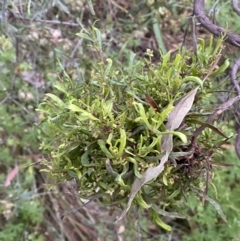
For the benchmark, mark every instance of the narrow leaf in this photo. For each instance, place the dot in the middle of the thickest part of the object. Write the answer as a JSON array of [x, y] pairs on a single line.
[[213, 202], [85, 115], [208, 125], [84, 36], [108, 68], [123, 141], [159, 222], [152, 103], [58, 101], [131, 60], [180, 111], [194, 79], [104, 149], [167, 214]]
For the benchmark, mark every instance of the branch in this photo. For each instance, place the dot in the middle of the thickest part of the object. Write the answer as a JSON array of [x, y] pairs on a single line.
[[223, 107], [54, 22], [16, 18], [235, 7], [234, 71], [237, 143], [199, 12]]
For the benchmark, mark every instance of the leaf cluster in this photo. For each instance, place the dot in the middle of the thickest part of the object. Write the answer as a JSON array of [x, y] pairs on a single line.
[[108, 131]]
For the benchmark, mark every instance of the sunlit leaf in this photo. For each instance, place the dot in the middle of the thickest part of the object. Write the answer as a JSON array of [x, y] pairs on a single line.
[[85, 36], [56, 99], [194, 79], [159, 222]]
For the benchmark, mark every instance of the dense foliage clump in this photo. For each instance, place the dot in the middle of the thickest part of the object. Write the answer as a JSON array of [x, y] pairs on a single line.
[[114, 132]]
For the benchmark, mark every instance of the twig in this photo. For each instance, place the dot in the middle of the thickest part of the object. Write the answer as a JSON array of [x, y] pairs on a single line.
[[237, 143], [213, 8], [3, 11], [186, 31], [76, 48], [199, 12], [20, 105], [214, 115], [212, 67], [235, 7], [54, 22], [234, 71], [194, 36], [5, 99]]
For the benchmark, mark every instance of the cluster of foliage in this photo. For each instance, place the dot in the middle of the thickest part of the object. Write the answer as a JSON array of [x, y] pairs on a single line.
[[113, 132]]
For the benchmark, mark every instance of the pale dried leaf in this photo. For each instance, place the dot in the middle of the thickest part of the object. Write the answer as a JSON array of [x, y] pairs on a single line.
[[10, 176], [180, 111], [147, 176]]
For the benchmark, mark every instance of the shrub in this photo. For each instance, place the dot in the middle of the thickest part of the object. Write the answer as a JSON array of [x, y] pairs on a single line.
[[126, 133]]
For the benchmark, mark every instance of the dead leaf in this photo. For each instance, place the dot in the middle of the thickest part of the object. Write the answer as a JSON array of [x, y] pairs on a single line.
[[180, 111], [147, 176], [152, 103], [177, 115], [10, 176]]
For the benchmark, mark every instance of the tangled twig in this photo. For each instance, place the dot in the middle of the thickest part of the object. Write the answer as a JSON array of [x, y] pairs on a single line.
[[199, 12]]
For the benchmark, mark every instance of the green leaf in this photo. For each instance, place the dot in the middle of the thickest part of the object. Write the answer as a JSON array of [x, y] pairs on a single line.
[[108, 68], [149, 148], [141, 202], [85, 36], [165, 180], [215, 129], [194, 79], [166, 59], [159, 222], [104, 149], [75, 108], [56, 99], [140, 109], [135, 166], [123, 141], [99, 37], [167, 214], [182, 136], [110, 169], [84, 116], [85, 160], [131, 60], [221, 69], [158, 35], [213, 202], [91, 7], [61, 88]]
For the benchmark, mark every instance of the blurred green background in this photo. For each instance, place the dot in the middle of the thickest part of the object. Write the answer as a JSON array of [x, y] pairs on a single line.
[[34, 37]]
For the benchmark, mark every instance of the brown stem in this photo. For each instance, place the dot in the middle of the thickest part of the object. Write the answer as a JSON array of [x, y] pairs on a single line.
[[199, 12], [234, 71], [235, 7]]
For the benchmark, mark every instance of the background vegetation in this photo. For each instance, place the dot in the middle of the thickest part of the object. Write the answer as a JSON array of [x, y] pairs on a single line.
[[38, 40]]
